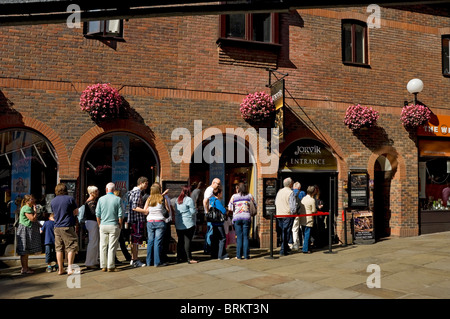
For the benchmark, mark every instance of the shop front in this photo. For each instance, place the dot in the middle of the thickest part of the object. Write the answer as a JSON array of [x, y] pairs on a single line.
[[310, 162], [28, 165], [434, 175]]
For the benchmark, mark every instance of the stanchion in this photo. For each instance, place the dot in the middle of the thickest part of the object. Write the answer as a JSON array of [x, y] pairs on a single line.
[[344, 220], [330, 251], [271, 238]]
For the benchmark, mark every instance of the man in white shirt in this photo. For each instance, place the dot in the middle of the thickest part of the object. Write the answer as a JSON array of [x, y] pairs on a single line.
[[283, 208]]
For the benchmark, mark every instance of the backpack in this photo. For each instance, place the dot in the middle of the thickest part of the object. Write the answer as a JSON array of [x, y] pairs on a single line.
[[296, 203]]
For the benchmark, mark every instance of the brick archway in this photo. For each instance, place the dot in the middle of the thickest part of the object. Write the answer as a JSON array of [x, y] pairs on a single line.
[[209, 132], [24, 122], [143, 131]]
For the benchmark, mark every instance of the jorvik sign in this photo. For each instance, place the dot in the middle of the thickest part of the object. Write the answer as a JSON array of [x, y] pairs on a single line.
[[308, 154]]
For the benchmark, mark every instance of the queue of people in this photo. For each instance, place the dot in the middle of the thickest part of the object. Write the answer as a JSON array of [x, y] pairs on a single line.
[[149, 218], [291, 200]]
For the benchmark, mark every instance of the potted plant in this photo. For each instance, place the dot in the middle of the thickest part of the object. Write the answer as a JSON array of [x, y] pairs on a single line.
[[101, 101], [415, 115], [257, 106], [357, 117]]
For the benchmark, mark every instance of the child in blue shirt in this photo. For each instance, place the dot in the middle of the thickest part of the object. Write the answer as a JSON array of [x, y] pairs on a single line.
[[49, 242]]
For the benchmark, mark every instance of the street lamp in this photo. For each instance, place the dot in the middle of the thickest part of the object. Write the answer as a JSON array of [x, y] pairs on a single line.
[[415, 86]]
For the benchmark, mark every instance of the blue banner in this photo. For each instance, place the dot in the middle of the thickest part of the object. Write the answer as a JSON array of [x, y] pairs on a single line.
[[21, 169], [121, 164], [217, 170]]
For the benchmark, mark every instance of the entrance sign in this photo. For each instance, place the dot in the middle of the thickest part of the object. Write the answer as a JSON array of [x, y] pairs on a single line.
[[307, 155]]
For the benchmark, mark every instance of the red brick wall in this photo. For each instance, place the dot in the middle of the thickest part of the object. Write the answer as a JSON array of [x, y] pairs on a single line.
[[172, 72]]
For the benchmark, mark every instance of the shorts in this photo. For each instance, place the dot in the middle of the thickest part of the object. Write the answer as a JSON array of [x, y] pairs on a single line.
[[137, 233], [66, 238]]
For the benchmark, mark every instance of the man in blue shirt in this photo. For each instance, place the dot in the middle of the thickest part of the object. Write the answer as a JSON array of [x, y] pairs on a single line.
[[64, 211], [109, 217]]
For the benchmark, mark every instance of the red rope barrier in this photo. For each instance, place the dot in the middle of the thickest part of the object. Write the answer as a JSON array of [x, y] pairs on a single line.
[[301, 215]]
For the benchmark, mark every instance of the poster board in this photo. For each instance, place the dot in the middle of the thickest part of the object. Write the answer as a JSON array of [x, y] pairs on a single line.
[[363, 227], [174, 187], [270, 188], [358, 189]]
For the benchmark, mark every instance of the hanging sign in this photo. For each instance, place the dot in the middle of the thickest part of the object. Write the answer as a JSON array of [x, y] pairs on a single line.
[[277, 92], [121, 163]]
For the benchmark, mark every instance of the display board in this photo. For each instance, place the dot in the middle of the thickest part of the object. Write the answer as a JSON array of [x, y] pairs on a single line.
[[270, 188]]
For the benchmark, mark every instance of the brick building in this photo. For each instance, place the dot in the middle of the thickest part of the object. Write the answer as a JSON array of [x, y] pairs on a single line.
[[173, 71]]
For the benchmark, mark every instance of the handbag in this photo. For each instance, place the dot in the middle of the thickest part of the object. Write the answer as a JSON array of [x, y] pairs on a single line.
[[253, 210], [165, 212], [214, 215]]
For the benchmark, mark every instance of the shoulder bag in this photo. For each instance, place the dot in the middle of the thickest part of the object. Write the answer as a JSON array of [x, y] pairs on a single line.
[[214, 215]]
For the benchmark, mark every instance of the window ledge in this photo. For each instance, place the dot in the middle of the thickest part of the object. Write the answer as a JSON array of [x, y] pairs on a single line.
[[362, 65], [230, 42], [104, 37]]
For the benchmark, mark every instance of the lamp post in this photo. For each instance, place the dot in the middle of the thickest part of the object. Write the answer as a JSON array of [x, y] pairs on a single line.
[[415, 86]]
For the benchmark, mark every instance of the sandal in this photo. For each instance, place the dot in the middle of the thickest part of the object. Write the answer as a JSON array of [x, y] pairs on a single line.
[[27, 272], [192, 261]]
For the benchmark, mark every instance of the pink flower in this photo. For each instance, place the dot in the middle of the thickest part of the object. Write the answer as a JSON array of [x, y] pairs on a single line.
[[358, 116], [99, 100], [256, 106]]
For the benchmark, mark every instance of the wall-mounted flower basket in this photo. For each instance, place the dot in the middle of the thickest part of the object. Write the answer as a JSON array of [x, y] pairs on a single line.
[[357, 117], [415, 115], [101, 101], [257, 107]]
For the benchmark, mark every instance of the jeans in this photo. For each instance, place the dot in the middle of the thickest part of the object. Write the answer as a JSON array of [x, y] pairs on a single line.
[[109, 238], [50, 253], [285, 225], [306, 234], [218, 240], [242, 228], [155, 232]]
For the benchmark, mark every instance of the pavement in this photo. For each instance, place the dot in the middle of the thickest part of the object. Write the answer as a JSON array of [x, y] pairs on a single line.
[[393, 268]]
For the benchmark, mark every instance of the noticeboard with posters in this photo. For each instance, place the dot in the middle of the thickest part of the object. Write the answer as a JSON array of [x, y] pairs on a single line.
[[269, 193], [358, 189], [363, 227]]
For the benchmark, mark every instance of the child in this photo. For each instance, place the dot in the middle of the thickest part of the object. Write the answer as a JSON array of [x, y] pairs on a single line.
[[49, 242]]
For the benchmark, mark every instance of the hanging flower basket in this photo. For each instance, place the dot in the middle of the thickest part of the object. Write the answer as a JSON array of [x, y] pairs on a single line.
[[415, 115], [257, 107], [101, 101], [357, 117]]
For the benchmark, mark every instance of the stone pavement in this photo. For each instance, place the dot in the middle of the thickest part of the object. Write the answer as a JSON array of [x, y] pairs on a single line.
[[409, 268]]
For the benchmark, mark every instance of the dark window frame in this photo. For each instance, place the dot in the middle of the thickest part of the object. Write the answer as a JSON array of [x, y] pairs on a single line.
[[353, 61], [248, 38], [103, 34], [445, 44]]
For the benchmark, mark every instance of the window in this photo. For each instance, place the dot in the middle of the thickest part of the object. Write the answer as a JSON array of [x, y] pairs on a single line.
[[112, 29], [446, 55], [354, 42], [258, 27]]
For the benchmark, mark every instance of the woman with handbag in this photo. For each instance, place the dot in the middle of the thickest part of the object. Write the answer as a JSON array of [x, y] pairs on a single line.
[[218, 238], [185, 225], [243, 206], [90, 221], [28, 233], [157, 210]]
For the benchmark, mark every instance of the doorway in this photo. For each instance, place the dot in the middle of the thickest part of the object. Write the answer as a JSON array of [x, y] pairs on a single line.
[[381, 196], [327, 184]]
